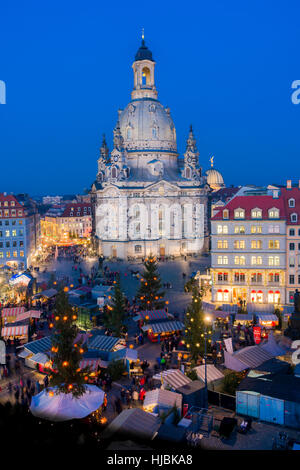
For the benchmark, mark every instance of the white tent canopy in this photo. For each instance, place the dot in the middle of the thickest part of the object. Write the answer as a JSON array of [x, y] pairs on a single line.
[[63, 406], [213, 373]]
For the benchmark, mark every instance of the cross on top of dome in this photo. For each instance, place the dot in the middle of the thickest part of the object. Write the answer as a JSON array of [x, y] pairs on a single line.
[[143, 53]]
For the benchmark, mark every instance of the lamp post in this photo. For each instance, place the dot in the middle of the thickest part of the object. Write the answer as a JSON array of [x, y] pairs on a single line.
[[207, 321]]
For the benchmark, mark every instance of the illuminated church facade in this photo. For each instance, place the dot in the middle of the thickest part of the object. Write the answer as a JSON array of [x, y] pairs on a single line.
[[145, 198]]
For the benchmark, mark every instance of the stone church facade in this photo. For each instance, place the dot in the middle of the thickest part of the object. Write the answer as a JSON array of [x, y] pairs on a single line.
[[145, 198]]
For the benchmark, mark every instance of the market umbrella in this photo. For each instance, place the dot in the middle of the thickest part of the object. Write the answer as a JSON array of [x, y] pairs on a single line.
[[63, 406]]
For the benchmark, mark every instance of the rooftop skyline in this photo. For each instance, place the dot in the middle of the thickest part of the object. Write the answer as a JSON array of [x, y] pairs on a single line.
[[227, 69]]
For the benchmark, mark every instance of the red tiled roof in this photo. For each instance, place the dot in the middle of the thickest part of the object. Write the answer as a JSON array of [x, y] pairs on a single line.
[[10, 198], [251, 202], [293, 193], [78, 210]]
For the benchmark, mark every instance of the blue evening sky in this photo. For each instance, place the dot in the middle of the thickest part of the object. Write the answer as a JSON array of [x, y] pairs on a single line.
[[226, 66]]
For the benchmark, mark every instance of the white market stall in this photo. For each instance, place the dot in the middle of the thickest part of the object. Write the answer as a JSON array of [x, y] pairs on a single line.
[[63, 407]]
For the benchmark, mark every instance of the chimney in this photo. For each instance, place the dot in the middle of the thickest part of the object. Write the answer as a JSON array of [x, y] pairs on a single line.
[[289, 184]]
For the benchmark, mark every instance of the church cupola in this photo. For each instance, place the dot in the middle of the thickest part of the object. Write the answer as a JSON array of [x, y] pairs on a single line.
[[143, 73]]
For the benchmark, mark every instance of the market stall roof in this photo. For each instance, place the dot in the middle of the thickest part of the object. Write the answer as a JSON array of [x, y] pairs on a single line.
[[12, 311], [63, 407], [154, 315], [162, 397], [24, 354], [246, 358], [103, 342], [131, 354], [173, 377], [208, 307], [260, 308], [29, 314], [164, 327], [20, 330], [273, 347], [271, 367], [39, 345], [230, 308], [244, 317], [219, 314], [48, 293], [267, 317], [134, 422], [213, 373], [282, 386], [40, 358]]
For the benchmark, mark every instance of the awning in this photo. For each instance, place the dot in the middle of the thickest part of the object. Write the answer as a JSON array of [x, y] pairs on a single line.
[[243, 317], [262, 317], [12, 311], [40, 358], [173, 377], [164, 327], [14, 331], [153, 315], [131, 354], [24, 354], [92, 363], [29, 314]]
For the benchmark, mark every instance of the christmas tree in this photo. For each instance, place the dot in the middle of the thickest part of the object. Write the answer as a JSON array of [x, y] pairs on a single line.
[[67, 375], [195, 327], [150, 296], [115, 312]]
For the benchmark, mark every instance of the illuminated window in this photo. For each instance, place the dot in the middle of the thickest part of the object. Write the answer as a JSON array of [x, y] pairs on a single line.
[[1, 254], [7, 233], [274, 213], [222, 229], [239, 214], [222, 259], [256, 214], [222, 244], [15, 254], [239, 244], [241, 260], [22, 253], [274, 260], [8, 254], [239, 229], [14, 233], [256, 244], [225, 214], [256, 260]]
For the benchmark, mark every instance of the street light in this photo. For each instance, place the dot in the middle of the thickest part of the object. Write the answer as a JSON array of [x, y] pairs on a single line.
[[207, 321]]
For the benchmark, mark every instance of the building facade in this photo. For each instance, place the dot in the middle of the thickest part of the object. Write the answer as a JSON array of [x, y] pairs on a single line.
[[62, 224], [145, 198], [291, 199], [249, 249], [19, 230]]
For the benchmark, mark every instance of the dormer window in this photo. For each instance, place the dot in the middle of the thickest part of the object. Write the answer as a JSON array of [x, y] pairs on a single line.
[[294, 217], [225, 214], [256, 213], [274, 213], [291, 202], [239, 214]]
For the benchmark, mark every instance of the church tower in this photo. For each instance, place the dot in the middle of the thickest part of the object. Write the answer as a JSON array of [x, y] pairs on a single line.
[[143, 73]]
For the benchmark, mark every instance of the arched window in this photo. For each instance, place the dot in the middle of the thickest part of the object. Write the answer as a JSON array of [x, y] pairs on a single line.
[[291, 202], [145, 76], [188, 173], [129, 133], [154, 132], [113, 172], [294, 217]]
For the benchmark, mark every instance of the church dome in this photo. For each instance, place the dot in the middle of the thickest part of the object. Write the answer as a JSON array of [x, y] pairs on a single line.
[[146, 125], [143, 53], [214, 179]]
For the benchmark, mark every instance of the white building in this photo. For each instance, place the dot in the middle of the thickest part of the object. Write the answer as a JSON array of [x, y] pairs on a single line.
[[146, 199]]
